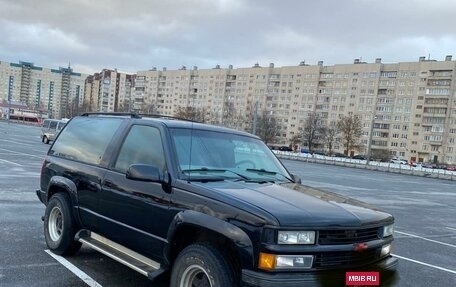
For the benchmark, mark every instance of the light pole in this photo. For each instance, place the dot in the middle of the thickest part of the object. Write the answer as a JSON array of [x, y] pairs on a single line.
[[369, 145], [255, 114], [10, 95]]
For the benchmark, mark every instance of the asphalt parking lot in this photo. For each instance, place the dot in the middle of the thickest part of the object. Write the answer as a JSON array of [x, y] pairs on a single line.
[[425, 211]]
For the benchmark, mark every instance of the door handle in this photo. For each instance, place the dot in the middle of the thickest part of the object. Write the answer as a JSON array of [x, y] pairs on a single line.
[[93, 186]]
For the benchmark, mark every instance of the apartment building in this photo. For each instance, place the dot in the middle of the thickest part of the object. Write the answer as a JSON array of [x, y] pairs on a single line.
[[407, 108], [109, 91], [55, 90]]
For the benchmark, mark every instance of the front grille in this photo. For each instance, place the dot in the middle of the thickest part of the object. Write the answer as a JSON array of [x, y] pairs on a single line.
[[334, 237], [346, 258]]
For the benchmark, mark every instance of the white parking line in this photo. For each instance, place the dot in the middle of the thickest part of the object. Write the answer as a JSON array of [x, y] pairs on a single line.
[[425, 264], [427, 239], [16, 152], [451, 228], [16, 142], [10, 162], [75, 270]]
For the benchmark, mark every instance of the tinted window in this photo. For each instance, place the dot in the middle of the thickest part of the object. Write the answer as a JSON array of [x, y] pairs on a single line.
[[60, 125], [217, 150], [53, 125], [142, 145], [46, 124], [85, 139]]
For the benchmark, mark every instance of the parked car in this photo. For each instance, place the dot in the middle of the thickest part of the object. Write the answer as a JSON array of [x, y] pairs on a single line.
[[209, 205], [50, 129], [358, 156], [399, 161], [285, 148], [319, 152], [428, 165], [338, 154], [451, 167]]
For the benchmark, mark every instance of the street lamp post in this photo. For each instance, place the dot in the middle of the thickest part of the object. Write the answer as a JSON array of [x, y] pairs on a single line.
[[255, 114], [369, 146]]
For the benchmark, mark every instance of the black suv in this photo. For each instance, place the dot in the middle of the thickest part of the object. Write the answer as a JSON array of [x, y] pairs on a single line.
[[209, 206]]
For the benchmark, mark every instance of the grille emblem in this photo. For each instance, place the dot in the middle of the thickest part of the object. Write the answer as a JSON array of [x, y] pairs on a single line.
[[360, 247]]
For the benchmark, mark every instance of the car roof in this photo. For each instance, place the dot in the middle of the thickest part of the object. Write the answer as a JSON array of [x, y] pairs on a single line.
[[172, 122]]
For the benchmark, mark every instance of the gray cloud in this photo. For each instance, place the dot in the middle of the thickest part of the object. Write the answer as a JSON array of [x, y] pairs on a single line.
[[136, 35]]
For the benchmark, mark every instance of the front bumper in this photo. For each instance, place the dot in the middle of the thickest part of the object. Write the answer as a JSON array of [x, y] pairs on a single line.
[[386, 267], [41, 195]]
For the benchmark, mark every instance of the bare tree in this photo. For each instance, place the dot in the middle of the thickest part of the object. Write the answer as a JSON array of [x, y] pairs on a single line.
[[123, 108], [267, 127], [313, 131], [85, 108], [329, 137], [232, 118], [72, 109], [193, 114], [295, 140], [149, 108], [351, 129]]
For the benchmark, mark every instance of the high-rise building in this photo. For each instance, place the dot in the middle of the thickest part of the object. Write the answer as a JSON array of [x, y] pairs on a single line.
[[109, 91], [56, 90], [407, 108]]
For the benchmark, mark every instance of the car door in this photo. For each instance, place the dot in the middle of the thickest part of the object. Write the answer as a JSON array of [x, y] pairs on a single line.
[[136, 213]]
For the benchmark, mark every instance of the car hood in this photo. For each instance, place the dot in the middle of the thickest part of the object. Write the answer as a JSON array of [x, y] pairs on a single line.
[[298, 205]]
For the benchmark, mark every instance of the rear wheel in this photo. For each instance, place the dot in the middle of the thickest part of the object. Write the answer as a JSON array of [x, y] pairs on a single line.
[[202, 265], [59, 226]]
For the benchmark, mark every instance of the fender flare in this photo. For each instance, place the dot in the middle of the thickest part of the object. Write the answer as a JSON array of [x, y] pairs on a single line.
[[70, 187], [240, 239]]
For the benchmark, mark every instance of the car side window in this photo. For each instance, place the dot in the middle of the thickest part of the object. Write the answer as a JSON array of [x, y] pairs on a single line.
[[85, 139], [142, 145], [53, 125]]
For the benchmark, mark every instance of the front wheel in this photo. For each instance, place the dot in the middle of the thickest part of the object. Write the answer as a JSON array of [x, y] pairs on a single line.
[[202, 265], [46, 140], [59, 226]]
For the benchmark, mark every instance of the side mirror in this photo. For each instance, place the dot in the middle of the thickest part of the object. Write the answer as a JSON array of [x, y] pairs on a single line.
[[296, 178], [144, 172]]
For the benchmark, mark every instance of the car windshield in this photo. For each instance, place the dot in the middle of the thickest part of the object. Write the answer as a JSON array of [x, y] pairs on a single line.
[[205, 154]]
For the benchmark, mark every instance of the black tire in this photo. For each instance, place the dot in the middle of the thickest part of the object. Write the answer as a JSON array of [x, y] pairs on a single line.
[[59, 226], [46, 140], [203, 262]]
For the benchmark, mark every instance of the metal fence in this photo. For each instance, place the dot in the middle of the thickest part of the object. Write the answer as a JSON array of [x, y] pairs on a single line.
[[417, 170]]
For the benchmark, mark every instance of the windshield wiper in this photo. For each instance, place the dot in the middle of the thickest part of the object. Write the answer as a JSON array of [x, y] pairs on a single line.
[[216, 170], [268, 172], [206, 179]]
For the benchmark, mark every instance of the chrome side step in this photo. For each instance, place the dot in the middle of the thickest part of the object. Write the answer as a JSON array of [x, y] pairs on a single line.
[[121, 254]]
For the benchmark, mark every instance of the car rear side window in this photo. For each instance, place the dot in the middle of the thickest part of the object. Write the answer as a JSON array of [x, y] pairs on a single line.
[[142, 145], [53, 124], [85, 139]]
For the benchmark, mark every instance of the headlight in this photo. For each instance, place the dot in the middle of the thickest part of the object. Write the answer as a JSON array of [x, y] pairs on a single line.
[[386, 250], [296, 237], [272, 261], [388, 230]]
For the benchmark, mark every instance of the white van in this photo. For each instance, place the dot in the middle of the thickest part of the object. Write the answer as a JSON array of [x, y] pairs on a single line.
[[50, 129]]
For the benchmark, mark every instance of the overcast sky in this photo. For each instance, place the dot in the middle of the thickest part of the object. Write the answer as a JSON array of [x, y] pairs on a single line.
[[140, 34]]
